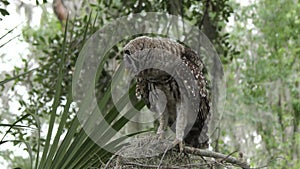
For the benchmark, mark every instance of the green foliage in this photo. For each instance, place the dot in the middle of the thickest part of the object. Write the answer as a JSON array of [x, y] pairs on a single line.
[[264, 80], [49, 86]]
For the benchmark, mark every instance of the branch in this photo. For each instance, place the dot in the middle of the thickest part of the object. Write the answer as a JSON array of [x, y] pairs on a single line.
[[224, 158], [205, 13]]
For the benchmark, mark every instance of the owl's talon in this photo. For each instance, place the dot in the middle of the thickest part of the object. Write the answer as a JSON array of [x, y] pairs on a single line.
[[179, 143], [160, 136]]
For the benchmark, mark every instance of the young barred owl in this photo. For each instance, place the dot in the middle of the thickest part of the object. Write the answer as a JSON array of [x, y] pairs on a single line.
[[167, 73]]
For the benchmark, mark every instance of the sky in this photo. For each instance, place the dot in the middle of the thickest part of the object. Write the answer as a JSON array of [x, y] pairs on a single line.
[[13, 52], [11, 55], [15, 49]]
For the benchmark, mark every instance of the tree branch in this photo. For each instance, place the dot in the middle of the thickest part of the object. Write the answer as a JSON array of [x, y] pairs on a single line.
[[222, 157]]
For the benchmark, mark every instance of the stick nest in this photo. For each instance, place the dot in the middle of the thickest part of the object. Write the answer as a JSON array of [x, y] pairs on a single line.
[[151, 153]]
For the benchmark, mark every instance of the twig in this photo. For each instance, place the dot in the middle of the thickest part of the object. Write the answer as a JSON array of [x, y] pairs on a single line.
[[109, 161], [102, 163], [228, 156], [151, 166], [225, 158], [163, 156], [197, 165]]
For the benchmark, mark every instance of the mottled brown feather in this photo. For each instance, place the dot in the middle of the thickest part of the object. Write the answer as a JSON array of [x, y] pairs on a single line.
[[149, 79]]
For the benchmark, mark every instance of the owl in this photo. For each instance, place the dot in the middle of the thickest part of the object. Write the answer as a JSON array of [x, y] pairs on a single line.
[[170, 79]]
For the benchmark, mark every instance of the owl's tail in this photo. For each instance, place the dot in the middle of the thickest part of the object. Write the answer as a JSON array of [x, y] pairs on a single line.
[[197, 133], [197, 136]]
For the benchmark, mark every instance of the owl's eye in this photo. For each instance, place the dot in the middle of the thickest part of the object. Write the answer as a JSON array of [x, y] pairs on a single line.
[[127, 52]]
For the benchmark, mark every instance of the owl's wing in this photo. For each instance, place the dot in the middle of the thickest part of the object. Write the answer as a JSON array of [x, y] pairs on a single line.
[[197, 136], [190, 55]]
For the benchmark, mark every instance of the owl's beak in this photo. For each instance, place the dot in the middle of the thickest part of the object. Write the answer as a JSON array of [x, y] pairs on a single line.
[[127, 60], [130, 62]]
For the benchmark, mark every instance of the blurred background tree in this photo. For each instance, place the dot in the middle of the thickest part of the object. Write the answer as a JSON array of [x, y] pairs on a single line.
[[263, 83], [257, 43]]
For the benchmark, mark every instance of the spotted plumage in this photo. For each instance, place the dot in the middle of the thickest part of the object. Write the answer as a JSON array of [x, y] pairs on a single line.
[[164, 65]]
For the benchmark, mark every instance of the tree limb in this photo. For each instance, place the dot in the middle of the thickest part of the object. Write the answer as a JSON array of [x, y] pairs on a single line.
[[216, 155]]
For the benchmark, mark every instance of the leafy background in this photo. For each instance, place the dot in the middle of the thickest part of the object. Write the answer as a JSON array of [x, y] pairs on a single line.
[[258, 45]]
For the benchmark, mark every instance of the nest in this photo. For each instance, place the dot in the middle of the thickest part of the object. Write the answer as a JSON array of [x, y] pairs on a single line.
[[151, 152]]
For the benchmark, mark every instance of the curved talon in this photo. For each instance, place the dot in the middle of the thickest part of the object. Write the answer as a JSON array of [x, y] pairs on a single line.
[[179, 143]]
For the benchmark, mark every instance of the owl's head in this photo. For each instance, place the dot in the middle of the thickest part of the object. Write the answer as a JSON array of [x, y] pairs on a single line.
[[137, 44], [132, 58], [136, 51], [144, 42]]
